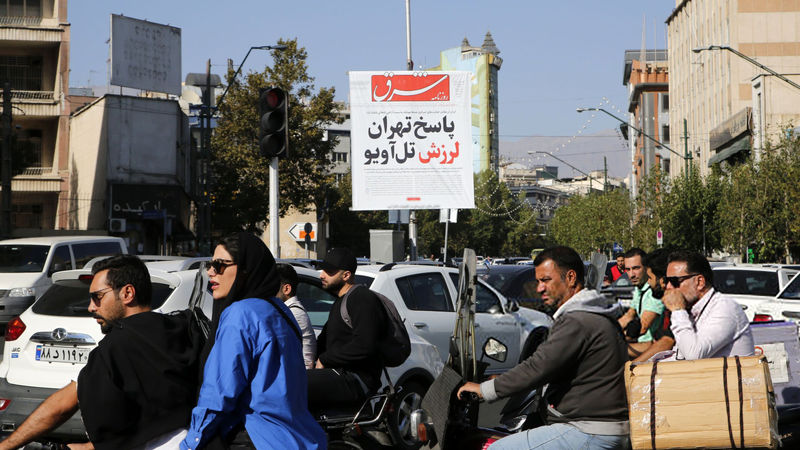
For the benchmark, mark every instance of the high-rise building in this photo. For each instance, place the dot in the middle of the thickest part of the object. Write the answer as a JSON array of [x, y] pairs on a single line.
[[484, 63], [646, 75], [34, 60], [729, 105]]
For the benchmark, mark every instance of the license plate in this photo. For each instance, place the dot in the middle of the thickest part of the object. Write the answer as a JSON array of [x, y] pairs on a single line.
[[55, 353]]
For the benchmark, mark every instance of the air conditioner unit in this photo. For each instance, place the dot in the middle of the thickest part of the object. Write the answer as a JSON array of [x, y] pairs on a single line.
[[116, 225]]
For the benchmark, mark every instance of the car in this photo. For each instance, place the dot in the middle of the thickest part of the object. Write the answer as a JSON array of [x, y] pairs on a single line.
[[27, 265], [517, 283], [37, 362], [301, 262], [785, 305], [425, 296], [412, 377], [751, 284]]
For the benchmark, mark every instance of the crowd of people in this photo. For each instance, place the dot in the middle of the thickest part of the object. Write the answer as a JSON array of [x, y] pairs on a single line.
[[154, 383]]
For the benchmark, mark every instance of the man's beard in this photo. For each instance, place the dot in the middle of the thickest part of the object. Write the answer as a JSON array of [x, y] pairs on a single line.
[[334, 287], [657, 291], [106, 326]]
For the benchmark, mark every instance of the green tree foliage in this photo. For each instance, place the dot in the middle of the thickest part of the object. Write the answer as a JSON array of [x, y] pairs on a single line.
[[648, 210], [593, 222], [351, 228], [690, 207], [241, 174]]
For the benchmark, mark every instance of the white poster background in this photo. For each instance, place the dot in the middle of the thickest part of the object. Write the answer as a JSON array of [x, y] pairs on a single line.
[[411, 154]]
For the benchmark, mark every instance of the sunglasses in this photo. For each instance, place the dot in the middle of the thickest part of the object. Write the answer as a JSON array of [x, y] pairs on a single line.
[[676, 281], [219, 265], [97, 296]]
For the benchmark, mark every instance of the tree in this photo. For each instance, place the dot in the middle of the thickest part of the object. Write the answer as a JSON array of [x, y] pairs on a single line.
[[241, 175], [592, 222]]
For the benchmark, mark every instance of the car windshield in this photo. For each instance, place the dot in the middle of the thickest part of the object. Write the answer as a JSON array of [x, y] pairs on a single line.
[[23, 258], [73, 301], [746, 282], [792, 290], [512, 284]]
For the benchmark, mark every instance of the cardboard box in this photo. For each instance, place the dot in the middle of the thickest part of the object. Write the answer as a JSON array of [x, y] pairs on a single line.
[[689, 407]]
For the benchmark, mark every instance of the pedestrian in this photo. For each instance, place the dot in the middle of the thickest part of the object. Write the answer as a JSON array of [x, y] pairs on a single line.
[[645, 314], [287, 293], [616, 271], [348, 367], [706, 323], [139, 384], [663, 339], [582, 359], [254, 373]]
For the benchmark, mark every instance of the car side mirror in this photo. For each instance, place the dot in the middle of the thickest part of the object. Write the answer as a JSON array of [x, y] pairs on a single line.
[[495, 309], [495, 350], [513, 305]]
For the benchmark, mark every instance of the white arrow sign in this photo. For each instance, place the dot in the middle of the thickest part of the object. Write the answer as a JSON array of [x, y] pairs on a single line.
[[298, 233]]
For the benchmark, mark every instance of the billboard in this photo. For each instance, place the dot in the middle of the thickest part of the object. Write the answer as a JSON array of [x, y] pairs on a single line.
[[145, 55], [411, 140]]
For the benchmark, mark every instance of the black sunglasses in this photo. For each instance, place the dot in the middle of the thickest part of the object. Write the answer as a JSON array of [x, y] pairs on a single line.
[[676, 281], [96, 296], [219, 265]]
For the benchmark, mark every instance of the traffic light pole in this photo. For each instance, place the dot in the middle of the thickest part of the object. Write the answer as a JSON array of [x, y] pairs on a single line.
[[274, 225], [412, 215]]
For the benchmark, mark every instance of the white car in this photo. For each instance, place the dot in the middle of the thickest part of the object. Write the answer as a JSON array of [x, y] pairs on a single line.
[[785, 306], [425, 297], [751, 284], [48, 344]]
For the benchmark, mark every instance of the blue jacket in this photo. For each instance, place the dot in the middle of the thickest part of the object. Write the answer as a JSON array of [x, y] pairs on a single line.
[[254, 342]]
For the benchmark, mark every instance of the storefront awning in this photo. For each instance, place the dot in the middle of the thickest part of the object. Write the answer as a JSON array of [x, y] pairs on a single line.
[[741, 144]]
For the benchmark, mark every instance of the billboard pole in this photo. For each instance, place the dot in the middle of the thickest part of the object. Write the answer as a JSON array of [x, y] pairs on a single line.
[[412, 216]]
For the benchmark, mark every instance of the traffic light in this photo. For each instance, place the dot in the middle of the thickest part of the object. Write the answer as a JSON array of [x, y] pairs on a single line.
[[272, 136]]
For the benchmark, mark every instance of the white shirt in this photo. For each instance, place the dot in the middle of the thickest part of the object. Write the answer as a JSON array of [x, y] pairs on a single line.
[[306, 330], [716, 327]]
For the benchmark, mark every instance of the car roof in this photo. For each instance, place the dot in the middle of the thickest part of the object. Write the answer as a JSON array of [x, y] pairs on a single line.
[[49, 240], [752, 268], [71, 277]]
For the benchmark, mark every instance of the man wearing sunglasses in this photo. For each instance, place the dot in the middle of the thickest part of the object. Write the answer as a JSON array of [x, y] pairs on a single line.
[[706, 323], [139, 384]]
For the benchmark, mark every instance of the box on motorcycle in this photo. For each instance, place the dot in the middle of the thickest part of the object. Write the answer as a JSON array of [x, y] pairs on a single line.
[[706, 403]]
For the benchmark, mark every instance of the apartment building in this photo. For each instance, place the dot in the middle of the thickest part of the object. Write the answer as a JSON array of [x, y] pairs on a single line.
[[34, 60], [717, 90]]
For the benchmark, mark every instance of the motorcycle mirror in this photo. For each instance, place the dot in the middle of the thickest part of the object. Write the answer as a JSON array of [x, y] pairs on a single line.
[[495, 350]]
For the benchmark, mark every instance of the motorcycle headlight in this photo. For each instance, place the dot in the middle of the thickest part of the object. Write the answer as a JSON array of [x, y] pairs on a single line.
[[21, 292]]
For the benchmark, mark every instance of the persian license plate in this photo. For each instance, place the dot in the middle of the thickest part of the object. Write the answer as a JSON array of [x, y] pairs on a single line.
[[62, 354]]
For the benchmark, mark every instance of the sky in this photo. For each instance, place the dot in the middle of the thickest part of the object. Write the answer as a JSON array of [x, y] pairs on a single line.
[[557, 55]]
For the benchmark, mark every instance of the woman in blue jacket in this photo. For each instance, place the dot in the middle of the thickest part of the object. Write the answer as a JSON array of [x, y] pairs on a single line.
[[254, 371]]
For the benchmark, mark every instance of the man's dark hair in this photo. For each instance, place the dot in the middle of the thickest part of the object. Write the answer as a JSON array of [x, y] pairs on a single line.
[[695, 263], [618, 254], [565, 258], [636, 251], [127, 269], [288, 276], [657, 261]]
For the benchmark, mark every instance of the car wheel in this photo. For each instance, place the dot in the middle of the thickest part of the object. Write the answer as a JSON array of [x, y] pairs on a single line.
[[535, 339], [408, 400]]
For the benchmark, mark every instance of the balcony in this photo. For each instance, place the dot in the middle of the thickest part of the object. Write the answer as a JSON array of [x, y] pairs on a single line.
[[36, 179], [34, 103], [30, 28]]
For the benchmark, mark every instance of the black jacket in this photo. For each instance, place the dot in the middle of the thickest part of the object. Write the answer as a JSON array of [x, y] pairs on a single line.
[[355, 349], [141, 380]]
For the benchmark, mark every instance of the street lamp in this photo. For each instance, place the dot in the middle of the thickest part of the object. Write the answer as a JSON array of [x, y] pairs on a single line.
[[235, 75], [687, 158], [533, 152], [748, 59]]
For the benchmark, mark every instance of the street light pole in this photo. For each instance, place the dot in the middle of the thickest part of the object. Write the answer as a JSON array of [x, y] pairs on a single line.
[[748, 59], [532, 152], [238, 70]]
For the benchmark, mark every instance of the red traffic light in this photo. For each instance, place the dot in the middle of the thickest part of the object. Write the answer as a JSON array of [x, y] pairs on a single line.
[[273, 122], [271, 99]]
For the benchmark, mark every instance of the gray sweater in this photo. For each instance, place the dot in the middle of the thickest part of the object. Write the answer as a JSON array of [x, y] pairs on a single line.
[[583, 360]]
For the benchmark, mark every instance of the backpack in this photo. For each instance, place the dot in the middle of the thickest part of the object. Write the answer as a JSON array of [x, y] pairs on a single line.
[[395, 347]]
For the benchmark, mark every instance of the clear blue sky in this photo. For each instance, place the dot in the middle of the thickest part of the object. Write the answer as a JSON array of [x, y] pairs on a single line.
[[557, 55]]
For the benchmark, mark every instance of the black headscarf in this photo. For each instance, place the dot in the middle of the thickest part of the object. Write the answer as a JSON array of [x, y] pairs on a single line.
[[256, 277]]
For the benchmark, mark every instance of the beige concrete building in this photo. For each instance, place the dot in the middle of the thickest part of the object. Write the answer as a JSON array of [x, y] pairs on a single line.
[[34, 59], [716, 91]]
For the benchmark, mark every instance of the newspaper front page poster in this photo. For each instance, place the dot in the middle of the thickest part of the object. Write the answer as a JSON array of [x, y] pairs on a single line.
[[411, 140]]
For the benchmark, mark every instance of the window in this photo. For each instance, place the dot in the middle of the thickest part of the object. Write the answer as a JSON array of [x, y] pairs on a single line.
[[665, 133], [746, 283], [665, 102], [23, 258], [339, 157], [61, 260], [425, 292], [21, 8], [484, 298], [85, 252], [73, 301], [29, 146], [315, 300], [23, 72]]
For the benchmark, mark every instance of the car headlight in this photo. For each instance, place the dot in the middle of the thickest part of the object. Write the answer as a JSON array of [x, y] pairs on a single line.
[[21, 292]]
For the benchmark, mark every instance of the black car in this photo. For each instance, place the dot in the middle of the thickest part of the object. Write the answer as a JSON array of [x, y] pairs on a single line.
[[517, 282]]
